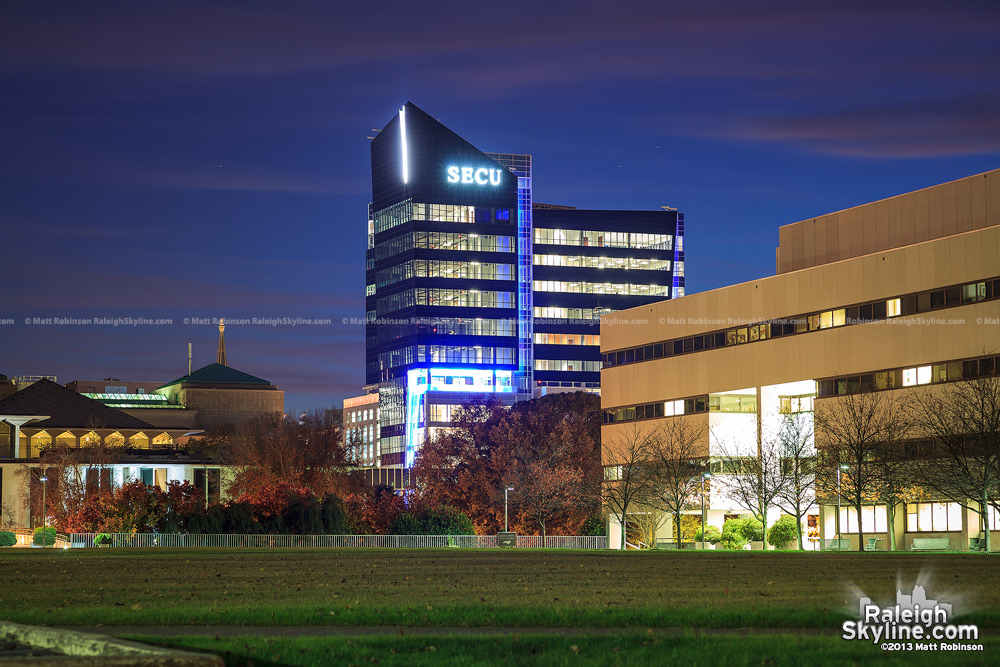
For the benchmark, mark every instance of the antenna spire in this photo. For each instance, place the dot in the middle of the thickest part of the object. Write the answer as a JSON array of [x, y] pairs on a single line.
[[222, 343]]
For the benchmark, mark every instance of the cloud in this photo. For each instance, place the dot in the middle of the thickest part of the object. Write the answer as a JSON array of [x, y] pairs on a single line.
[[558, 41], [961, 125]]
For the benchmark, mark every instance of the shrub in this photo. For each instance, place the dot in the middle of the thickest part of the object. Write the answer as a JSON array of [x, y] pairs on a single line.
[[712, 535], [102, 539], [46, 540], [594, 525], [782, 532], [405, 523], [737, 532], [7, 538], [334, 516], [447, 521], [438, 521], [304, 516]]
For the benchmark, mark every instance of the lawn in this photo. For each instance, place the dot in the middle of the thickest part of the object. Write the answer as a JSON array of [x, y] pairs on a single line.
[[627, 649], [471, 588]]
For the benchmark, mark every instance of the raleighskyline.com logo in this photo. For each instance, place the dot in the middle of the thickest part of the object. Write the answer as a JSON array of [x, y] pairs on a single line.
[[914, 623]]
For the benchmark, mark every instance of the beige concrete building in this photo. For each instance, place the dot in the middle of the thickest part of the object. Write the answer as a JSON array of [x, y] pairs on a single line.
[[361, 439], [888, 295]]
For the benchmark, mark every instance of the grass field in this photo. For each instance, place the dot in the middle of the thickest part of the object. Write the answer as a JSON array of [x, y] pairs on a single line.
[[625, 649], [491, 588]]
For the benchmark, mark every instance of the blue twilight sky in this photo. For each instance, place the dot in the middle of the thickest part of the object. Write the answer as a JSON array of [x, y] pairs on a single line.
[[204, 159]]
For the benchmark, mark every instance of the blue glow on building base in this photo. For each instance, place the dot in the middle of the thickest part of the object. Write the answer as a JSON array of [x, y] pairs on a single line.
[[420, 381]]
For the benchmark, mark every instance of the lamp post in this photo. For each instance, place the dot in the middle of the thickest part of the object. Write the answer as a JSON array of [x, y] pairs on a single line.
[[839, 468], [506, 489], [704, 476], [44, 480]]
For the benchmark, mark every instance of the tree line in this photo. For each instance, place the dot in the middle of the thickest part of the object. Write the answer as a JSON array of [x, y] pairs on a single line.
[[295, 475]]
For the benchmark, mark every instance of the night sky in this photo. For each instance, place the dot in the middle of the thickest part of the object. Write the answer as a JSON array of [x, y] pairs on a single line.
[[205, 159]]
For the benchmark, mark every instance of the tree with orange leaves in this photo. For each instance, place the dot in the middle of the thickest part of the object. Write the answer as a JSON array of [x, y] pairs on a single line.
[[548, 449]]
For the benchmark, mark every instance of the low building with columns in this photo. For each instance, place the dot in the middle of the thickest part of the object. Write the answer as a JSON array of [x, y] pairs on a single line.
[[46, 416], [133, 436]]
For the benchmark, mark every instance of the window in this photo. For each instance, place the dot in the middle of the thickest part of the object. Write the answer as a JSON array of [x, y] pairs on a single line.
[[933, 517], [893, 308], [796, 404], [973, 292], [873, 519]]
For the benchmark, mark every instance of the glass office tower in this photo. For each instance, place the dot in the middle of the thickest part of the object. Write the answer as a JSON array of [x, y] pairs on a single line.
[[472, 290], [589, 263], [447, 275]]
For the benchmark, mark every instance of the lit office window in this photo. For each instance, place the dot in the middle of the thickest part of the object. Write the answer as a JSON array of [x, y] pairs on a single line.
[[873, 519], [933, 517]]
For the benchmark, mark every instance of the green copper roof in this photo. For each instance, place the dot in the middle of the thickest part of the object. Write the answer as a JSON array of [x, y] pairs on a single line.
[[217, 374]]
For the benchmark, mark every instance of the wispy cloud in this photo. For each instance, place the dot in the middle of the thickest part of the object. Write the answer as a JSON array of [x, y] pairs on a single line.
[[963, 125]]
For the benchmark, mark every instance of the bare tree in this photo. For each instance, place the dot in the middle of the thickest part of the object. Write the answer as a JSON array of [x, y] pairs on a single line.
[[648, 520], [861, 434], [7, 516], [73, 473], [677, 459], [756, 482], [797, 495], [627, 477], [963, 422]]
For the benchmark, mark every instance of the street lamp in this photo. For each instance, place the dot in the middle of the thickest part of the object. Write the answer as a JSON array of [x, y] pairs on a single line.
[[43, 479], [704, 476], [843, 467], [506, 489]]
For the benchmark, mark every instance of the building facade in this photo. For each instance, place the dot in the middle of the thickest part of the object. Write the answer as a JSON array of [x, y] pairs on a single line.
[[361, 442], [587, 263], [442, 295], [888, 296], [454, 288]]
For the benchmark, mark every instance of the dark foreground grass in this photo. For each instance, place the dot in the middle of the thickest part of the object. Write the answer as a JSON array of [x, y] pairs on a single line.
[[632, 649], [451, 587]]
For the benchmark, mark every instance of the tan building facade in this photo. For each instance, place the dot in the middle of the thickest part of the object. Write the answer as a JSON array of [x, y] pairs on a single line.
[[888, 295]]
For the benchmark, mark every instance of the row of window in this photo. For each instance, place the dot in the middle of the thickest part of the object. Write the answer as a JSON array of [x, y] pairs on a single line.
[[393, 216], [685, 406], [459, 213], [433, 268], [556, 313], [441, 412], [459, 354], [579, 287], [869, 312], [466, 354], [734, 403], [361, 434], [895, 378], [585, 262], [444, 241], [472, 326], [466, 298], [405, 211], [602, 239], [362, 415], [567, 339], [567, 365], [920, 518]]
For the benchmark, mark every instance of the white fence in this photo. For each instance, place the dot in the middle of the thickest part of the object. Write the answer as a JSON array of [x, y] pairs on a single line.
[[86, 540]]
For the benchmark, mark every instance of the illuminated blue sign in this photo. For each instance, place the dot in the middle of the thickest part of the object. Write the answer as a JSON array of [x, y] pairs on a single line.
[[474, 175]]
